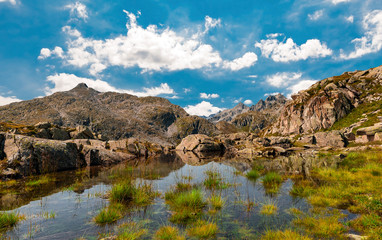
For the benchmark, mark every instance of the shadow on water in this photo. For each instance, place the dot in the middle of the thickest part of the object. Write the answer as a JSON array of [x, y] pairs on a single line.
[[64, 204]]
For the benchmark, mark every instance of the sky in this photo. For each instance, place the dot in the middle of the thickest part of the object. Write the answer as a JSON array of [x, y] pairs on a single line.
[[204, 56]]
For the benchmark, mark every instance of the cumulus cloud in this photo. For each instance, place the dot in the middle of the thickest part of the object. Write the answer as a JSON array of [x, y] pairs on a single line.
[[350, 19], [285, 51], [238, 100], [248, 102], [65, 82], [371, 42], [45, 53], [208, 96], [247, 60], [8, 100], [211, 23], [316, 15], [301, 85], [150, 48], [186, 90], [290, 81], [202, 109], [77, 10], [282, 79], [339, 1], [13, 2]]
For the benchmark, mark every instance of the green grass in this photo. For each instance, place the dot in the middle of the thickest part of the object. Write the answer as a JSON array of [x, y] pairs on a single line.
[[40, 181], [284, 235], [216, 201], [110, 214], [168, 233], [370, 223], [272, 182], [253, 174], [9, 219], [129, 192], [214, 181], [131, 231], [203, 229], [185, 205], [122, 192], [269, 208]]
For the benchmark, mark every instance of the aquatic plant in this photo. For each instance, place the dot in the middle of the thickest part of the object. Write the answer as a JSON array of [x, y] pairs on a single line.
[[40, 181], [216, 201], [253, 174], [109, 214], [186, 205], [214, 180], [285, 235], [168, 233], [203, 229], [269, 208], [272, 178], [131, 231], [9, 219], [129, 192], [370, 223], [122, 192]]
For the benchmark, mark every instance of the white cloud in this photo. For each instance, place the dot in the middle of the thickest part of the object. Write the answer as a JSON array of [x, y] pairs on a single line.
[[301, 85], [151, 49], [247, 60], [77, 10], [285, 51], [238, 100], [350, 19], [339, 1], [371, 42], [274, 35], [202, 109], [65, 82], [13, 2], [8, 100], [45, 53], [248, 102], [316, 15], [282, 79], [208, 96], [186, 90], [252, 76], [271, 94]]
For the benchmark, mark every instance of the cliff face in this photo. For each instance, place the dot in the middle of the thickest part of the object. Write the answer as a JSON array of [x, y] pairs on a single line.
[[328, 101], [229, 114], [112, 115]]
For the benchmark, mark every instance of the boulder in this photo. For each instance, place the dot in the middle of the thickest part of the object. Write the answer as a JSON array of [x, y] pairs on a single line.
[[199, 143], [330, 139], [376, 128], [43, 125], [82, 132], [59, 134], [44, 133]]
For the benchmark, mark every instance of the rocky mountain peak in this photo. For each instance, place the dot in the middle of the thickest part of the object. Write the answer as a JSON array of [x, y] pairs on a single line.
[[81, 86], [241, 106]]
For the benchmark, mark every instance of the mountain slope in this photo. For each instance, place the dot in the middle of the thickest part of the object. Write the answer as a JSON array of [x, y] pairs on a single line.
[[114, 115], [328, 101], [229, 114]]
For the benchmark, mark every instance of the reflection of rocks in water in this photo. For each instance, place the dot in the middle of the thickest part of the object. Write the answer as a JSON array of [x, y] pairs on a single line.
[[298, 163], [194, 159], [159, 166]]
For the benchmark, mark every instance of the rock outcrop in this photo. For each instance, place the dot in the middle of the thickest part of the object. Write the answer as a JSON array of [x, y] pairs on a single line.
[[328, 101], [229, 114], [199, 143]]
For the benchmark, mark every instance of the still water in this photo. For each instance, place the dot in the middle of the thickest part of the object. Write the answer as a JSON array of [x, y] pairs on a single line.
[[64, 206]]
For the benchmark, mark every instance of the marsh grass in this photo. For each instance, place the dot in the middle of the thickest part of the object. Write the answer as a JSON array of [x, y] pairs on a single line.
[[110, 214], [131, 231], [40, 181], [168, 233], [285, 235], [128, 192], [203, 229], [9, 219], [253, 175], [185, 204], [214, 181], [269, 208], [369, 223], [272, 183], [216, 201]]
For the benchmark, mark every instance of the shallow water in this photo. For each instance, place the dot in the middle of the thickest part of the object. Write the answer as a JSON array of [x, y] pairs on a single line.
[[65, 207]]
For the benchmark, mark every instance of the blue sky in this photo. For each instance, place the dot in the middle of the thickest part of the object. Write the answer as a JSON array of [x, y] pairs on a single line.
[[202, 55]]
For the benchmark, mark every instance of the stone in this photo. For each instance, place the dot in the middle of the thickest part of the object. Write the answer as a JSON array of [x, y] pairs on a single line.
[[10, 173], [43, 125], [376, 128], [378, 137], [59, 134], [44, 133], [82, 132], [199, 143], [332, 139], [350, 136]]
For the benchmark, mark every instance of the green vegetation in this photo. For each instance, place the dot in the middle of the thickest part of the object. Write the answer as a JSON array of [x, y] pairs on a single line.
[[253, 174], [9, 219], [128, 192], [168, 233], [40, 181], [214, 181], [271, 182], [110, 214], [131, 231], [269, 208], [185, 204], [216, 201], [285, 235], [371, 223], [203, 229]]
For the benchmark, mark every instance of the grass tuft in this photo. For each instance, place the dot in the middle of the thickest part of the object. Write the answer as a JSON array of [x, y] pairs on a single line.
[[203, 229], [285, 235], [9, 219], [168, 233]]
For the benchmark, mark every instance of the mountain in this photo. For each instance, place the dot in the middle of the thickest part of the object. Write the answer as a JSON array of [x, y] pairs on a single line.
[[272, 102], [329, 102], [113, 115], [229, 114]]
